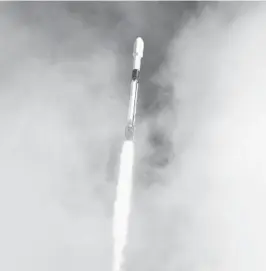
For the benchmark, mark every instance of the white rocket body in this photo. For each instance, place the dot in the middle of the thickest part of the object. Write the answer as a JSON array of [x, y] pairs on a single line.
[[138, 53], [137, 56]]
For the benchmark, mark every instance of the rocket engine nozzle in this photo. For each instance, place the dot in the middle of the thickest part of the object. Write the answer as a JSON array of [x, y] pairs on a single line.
[[129, 132]]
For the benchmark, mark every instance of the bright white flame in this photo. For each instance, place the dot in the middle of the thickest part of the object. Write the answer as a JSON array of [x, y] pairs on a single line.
[[122, 204]]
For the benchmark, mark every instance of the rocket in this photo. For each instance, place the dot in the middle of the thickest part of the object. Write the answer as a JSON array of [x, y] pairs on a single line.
[[137, 56]]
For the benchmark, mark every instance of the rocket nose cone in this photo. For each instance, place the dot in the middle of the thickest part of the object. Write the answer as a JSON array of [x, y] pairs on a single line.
[[138, 47]]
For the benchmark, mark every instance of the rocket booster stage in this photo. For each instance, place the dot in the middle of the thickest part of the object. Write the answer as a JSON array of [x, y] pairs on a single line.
[[137, 56]]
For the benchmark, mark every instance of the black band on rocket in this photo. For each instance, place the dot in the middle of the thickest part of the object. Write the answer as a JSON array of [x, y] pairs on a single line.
[[135, 75]]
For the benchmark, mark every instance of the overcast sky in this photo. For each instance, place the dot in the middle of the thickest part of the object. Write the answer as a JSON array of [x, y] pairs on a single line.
[[199, 176]]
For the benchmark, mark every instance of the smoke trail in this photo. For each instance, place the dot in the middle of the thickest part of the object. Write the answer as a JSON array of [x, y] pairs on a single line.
[[122, 204]]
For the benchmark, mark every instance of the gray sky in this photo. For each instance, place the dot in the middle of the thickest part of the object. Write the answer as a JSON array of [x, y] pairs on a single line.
[[200, 140]]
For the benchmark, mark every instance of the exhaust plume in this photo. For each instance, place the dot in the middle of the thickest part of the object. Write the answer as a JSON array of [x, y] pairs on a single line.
[[122, 204]]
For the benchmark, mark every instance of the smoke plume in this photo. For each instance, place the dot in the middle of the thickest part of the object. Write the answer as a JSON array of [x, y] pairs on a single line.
[[208, 214]]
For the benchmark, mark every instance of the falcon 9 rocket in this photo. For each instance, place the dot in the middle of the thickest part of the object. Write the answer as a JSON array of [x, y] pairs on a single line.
[[137, 56]]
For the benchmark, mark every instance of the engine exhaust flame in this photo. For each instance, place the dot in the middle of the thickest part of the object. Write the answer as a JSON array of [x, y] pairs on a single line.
[[122, 204]]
